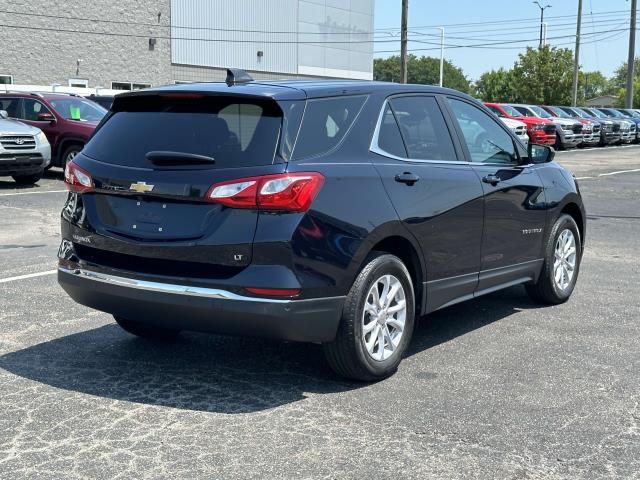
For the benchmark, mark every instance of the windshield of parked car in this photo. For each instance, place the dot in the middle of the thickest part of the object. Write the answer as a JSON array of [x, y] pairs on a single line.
[[558, 112], [73, 108], [613, 113], [597, 113], [540, 112], [572, 112], [511, 111], [524, 112]]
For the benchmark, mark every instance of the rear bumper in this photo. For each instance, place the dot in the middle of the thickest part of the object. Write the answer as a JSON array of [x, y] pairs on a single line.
[[204, 309]]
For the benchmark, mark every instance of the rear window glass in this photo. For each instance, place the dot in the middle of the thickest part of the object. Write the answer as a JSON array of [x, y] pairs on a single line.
[[233, 133], [325, 123]]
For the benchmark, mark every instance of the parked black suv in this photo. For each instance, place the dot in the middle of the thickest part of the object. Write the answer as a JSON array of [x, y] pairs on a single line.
[[332, 212]]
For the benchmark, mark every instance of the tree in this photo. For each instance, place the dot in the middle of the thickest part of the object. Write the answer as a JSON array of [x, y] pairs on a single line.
[[497, 86], [619, 79], [544, 76], [423, 70], [636, 94], [594, 84]]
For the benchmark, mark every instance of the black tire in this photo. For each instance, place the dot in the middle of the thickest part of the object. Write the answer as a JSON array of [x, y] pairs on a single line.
[[28, 179], [68, 154], [545, 290], [347, 354], [144, 330]]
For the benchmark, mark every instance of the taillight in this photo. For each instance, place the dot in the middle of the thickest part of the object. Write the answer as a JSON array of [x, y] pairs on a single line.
[[76, 179], [274, 292], [290, 192]]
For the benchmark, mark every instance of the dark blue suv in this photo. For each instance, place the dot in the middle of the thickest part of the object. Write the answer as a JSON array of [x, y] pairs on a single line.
[[334, 212]]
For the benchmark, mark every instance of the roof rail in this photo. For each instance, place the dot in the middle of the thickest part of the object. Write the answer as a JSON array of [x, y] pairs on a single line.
[[237, 76]]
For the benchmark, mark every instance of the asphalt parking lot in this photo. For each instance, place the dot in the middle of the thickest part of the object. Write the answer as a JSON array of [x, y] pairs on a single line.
[[492, 388]]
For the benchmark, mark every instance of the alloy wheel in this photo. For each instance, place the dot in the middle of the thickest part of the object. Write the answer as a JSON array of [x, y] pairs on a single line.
[[564, 263], [384, 317]]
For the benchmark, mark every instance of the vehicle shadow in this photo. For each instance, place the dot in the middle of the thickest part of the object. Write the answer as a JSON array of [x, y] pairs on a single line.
[[7, 183], [221, 374]]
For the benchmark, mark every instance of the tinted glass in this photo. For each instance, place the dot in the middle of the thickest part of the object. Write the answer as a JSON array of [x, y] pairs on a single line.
[[11, 105], [486, 140], [325, 123], [233, 133], [511, 111], [525, 111], [541, 112], [389, 138], [423, 128], [32, 108], [496, 110], [74, 108]]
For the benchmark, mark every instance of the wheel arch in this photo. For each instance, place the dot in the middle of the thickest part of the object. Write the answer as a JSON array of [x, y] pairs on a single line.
[[573, 210], [409, 253], [64, 144]]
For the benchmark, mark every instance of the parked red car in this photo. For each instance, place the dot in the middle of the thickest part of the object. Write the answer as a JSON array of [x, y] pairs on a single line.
[[540, 131], [67, 120]]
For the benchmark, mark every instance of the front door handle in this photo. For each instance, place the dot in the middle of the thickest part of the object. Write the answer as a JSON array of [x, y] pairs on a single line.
[[492, 179], [407, 177]]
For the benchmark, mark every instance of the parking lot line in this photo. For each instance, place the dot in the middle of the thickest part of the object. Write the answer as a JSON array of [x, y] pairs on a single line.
[[31, 193], [30, 275], [619, 171]]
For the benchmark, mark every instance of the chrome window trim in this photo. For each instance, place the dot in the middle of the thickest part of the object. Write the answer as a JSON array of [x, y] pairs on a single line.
[[375, 148], [171, 288]]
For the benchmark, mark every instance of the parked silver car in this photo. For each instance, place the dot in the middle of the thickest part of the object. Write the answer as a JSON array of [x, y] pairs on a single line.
[[569, 132], [24, 151]]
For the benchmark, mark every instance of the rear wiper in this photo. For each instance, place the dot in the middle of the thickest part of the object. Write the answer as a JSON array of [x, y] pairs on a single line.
[[168, 158]]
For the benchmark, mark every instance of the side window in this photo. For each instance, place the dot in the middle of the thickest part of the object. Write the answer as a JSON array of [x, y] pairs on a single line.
[[32, 108], [423, 128], [496, 111], [487, 141], [11, 105], [325, 123], [389, 137], [242, 120]]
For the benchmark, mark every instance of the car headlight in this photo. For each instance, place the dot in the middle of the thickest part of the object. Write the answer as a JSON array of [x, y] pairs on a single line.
[[42, 138]]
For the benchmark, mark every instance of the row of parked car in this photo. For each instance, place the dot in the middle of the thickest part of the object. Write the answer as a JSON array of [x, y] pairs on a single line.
[[41, 130], [569, 127]]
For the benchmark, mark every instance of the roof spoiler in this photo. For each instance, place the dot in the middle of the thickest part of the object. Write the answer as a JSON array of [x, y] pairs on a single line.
[[236, 76]]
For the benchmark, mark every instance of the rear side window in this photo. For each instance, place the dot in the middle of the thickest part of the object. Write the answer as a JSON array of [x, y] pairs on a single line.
[[325, 123], [389, 137], [423, 128], [11, 105], [232, 131]]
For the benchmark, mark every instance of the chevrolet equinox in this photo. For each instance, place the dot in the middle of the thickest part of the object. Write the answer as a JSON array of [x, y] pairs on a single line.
[[334, 212]]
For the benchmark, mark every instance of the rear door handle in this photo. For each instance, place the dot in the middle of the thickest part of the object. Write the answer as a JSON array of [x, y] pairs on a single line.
[[407, 177], [492, 179]]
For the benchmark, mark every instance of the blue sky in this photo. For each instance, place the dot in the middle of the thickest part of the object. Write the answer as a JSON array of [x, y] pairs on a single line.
[[604, 46]]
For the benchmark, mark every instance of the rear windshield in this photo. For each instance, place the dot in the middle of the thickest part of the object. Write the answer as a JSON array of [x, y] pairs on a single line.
[[232, 132]]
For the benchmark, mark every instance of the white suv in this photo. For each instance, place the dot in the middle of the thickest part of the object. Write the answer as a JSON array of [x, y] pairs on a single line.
[[24, 151]]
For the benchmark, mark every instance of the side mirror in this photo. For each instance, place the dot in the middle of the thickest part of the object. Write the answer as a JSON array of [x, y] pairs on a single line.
[[46, 117], [4, 114], [540, 153]]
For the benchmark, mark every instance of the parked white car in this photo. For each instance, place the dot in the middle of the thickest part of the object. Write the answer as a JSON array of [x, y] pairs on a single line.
[[517, 127], [24, 151]]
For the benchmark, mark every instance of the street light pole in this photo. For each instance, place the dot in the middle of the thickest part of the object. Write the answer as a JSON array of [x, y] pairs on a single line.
[[542, 9], [441, 54]]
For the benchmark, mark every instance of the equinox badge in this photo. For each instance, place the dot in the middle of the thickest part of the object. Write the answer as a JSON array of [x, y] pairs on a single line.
[[141, 187]]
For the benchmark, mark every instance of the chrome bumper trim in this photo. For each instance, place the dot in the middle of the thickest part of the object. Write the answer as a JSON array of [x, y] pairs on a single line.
[[213, 293]]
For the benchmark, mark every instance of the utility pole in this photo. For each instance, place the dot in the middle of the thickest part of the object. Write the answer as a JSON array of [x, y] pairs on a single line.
[[576, 60], [628, 101], [441, 54], [542, 9], [403, 41]]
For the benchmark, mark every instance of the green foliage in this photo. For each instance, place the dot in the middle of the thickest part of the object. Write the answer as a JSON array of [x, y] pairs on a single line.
[[594, 84], [619, 79], [636, 94], [497, 86], [423, 70], [544, 76]]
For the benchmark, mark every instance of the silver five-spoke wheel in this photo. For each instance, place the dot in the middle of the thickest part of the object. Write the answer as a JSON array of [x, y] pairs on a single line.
[[564, 263], [384, 317]]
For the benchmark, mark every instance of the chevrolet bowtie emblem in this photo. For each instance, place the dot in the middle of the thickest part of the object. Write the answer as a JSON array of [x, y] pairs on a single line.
[[141, 187]]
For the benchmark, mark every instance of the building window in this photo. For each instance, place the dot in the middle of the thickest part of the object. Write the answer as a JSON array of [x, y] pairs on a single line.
[[6, 79], [129, 86], [78, 82]]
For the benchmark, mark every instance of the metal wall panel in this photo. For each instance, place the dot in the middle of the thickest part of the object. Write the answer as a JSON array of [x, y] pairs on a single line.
[[311, 37], [230, 33]]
